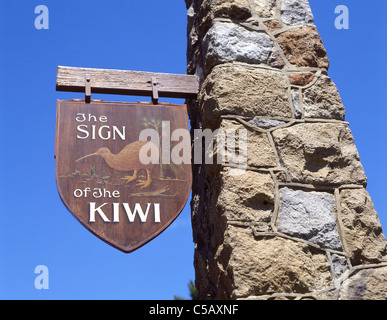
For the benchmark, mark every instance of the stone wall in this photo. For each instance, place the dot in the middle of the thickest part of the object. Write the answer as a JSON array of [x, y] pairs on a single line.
[[299, 223]]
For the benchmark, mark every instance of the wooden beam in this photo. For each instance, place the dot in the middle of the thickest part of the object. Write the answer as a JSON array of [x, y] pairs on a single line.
[[127, 82]]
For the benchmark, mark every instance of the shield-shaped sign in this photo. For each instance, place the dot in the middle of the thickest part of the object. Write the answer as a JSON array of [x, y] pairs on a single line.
[[123, 169]]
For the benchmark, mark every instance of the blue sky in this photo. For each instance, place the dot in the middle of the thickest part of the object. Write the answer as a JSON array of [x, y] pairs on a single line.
[[36, 229]]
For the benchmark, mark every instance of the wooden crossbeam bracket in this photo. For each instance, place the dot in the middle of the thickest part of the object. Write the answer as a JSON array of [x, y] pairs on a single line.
[[125, 82]]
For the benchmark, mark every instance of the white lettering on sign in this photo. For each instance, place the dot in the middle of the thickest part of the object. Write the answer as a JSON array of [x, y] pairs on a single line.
[[96, 193], [98, 210], [81, 117], [104, 132], [131, 214]]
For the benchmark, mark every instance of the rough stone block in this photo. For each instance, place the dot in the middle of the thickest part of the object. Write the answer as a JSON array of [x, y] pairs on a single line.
[[232, 9], [309, 216], [322, 100], [259, 151], [296, 12], [303, 47], [366, 284], [363, 232], [320, 153], [270, 265], [246, 197], [226, 42], [240, 90]]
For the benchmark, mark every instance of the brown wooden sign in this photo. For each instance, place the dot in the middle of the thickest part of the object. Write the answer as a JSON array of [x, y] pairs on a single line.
[[123, 169]]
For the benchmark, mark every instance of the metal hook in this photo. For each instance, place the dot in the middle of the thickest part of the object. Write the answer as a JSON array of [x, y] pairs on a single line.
[[87, 89], [155, 92]]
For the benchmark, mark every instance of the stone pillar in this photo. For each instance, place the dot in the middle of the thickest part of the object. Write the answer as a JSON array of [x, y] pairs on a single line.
[[298, 223]]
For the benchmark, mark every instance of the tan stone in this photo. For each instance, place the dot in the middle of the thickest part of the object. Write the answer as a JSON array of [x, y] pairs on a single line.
[[303, 47], [246, 197], [232, 9], [362, 232], [270, 265], [366, 284], [320, 153], [322, 295], [265, 8], [259, 151], [240, 90], [322, 100]]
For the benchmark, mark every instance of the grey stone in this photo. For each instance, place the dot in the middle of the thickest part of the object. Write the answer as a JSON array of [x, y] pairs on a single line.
[[265, 123], [309, 215], [296, 12], [191, 12], [275, 60], [226, 42], [296, 104], [339, 264]]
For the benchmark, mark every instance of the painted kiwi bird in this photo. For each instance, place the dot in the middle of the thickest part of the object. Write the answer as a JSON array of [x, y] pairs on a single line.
[[128, 159]]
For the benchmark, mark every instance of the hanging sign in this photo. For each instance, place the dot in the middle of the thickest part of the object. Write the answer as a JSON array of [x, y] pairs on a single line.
[[123, 169]]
